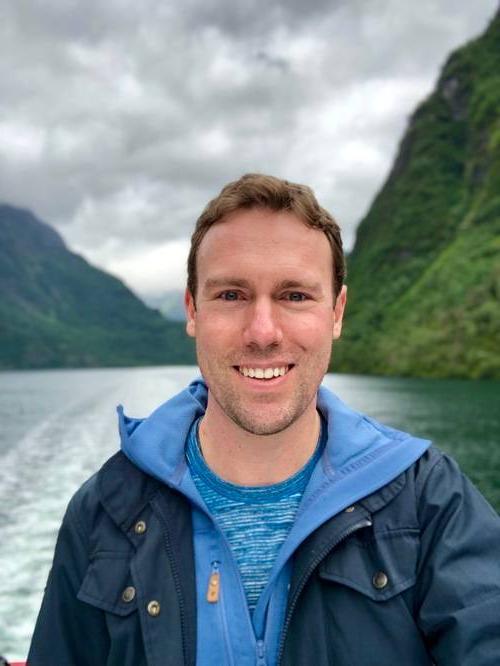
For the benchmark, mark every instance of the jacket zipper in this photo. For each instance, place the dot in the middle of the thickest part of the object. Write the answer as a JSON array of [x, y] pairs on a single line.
[[314, 563], [213, 589], [213, 597]]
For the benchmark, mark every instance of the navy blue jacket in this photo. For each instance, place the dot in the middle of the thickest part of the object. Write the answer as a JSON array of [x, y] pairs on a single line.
[[408, 575]]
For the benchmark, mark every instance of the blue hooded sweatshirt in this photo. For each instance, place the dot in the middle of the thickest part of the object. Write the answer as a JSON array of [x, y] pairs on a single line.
[[360, 457]]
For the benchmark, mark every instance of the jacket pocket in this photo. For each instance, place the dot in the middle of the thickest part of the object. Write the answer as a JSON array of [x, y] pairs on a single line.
[[379, 568], [108, 584]]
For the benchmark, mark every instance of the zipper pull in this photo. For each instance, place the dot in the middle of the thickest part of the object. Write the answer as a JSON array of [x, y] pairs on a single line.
[[261, 653], [214, 584]]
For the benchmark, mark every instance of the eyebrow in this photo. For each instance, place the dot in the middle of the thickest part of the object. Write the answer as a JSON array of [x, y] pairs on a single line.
[[215, 283], [302, 284]]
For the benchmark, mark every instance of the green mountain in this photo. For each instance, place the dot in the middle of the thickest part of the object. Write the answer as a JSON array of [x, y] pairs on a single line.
[[56, 310], [424, 275]]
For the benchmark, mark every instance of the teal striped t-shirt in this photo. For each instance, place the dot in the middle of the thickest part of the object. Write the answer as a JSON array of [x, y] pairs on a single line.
[[254, 519]]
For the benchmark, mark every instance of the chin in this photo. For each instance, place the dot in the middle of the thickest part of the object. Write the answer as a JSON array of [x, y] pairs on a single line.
[[256, 425]]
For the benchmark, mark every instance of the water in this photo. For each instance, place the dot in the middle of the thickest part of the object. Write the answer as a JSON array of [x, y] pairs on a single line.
[[59, 426]]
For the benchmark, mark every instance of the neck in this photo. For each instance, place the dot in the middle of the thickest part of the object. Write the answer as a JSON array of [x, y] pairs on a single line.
[[246, 459]]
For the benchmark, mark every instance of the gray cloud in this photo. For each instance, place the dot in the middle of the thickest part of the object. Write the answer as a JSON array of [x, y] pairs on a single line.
[[119, 120]]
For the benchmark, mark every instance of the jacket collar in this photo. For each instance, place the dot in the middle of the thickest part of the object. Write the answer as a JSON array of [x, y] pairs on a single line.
[[124, 490]]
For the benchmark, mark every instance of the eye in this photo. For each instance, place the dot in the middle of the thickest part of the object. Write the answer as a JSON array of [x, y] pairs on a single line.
[[229, 295], [297, 296]]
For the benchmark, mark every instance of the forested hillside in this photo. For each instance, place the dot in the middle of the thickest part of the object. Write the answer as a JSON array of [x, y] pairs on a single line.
[[424, 275], [56, 310]]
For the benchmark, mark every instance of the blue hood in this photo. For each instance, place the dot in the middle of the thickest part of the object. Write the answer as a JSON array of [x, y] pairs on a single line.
[[156, 444]]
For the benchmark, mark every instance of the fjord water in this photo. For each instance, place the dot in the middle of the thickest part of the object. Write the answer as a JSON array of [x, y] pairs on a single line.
[[59, 426]]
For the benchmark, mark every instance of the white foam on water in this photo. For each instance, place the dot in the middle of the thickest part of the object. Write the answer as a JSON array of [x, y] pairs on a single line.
[[37, 478], [41, 472]]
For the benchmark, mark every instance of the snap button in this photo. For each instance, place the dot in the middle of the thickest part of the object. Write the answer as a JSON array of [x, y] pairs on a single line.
[[140, 527], [128, 594], [153, 608], [350, 509], [380, 580]]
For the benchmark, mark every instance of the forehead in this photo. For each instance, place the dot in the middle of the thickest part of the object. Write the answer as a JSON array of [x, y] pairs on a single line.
[[257, 243]]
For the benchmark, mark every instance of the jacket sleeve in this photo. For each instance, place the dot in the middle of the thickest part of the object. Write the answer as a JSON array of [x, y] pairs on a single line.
[[459, 570], [69, 632]]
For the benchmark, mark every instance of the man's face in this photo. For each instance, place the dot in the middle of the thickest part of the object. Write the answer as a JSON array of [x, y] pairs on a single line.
[[264, 304]]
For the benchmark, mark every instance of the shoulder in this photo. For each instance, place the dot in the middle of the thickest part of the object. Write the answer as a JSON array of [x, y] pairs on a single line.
[[110, 498], [433, 463], [430, 493], [440, 483], [87, 499], [453, 515]]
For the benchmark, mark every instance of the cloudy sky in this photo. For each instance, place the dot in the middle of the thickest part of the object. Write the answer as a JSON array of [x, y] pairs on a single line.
[[120, 119]]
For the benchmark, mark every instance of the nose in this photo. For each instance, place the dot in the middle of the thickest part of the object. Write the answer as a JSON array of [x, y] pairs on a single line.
[[262, 326]]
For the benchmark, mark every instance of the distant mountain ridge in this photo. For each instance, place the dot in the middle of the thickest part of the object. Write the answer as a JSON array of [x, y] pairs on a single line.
[[424, 275], [56, 310], [170, 303]]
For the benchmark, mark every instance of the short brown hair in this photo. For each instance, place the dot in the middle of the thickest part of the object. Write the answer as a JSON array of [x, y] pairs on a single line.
[[260, 191]]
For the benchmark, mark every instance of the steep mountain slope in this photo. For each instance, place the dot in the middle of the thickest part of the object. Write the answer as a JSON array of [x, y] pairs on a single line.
[[57, 310], [424, 275]]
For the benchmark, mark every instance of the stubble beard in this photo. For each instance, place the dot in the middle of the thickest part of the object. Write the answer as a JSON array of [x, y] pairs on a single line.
[[256, 421]]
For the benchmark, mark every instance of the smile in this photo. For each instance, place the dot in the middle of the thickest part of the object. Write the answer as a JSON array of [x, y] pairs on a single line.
[[264, 373]]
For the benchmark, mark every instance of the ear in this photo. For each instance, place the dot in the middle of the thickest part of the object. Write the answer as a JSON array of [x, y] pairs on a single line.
[[338, 312], [190, 308]]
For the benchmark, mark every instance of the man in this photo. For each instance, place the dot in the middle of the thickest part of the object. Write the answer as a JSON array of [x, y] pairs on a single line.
[[256, 519]]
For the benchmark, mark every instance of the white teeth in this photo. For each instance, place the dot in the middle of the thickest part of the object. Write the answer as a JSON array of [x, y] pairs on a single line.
[[263, 373]]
